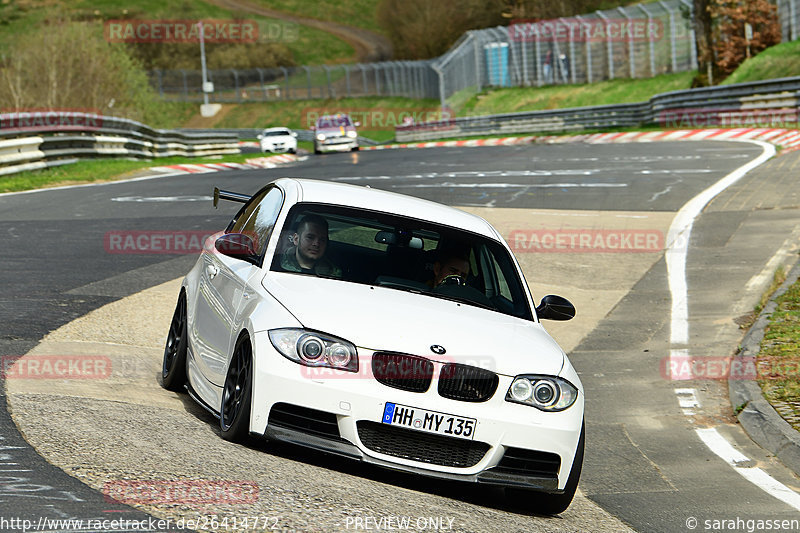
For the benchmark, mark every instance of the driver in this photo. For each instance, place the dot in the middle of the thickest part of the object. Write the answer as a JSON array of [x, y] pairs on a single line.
[[307, 255], [451, 266]]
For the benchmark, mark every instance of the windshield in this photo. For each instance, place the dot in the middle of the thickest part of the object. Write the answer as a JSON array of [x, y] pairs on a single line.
[[276, 133], [374, 248], [333, 122]]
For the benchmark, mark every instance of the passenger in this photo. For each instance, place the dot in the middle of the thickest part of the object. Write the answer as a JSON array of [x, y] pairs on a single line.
[[307, 255]]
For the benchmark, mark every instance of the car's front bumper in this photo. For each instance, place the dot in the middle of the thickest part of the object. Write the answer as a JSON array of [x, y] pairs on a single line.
[[337, 144], [352, 403], [278, 148]]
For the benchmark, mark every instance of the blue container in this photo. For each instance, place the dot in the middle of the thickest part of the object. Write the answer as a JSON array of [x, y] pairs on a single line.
[[497, 64]]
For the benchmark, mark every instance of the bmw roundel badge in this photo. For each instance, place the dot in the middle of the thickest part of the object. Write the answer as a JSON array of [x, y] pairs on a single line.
[[437, 349]]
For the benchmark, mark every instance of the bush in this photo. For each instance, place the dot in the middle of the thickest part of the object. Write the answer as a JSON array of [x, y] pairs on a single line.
[[69, 65]]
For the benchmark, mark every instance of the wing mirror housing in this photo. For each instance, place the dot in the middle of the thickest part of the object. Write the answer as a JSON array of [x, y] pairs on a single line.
[[238, 246], [554, 307]]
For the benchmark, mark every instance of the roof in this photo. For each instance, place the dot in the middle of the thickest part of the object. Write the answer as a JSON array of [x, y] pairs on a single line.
[[362, 197]]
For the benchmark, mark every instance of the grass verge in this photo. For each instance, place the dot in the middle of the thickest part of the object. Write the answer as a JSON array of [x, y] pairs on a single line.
[[779, 358], [95, 171]]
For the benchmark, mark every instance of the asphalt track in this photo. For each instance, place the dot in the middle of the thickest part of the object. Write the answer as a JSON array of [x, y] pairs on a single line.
[[644, 463]]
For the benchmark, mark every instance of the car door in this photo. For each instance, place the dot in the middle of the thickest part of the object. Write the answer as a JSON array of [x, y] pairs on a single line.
[[219, 294]]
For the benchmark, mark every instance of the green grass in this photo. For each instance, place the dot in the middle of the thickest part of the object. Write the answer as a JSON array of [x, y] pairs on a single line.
[[618, 91], [358, 13], [779, 61], [779, 358], [307, 45], [97, 171]]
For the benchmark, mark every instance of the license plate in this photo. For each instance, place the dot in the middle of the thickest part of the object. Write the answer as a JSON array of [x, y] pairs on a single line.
[[429, 421]]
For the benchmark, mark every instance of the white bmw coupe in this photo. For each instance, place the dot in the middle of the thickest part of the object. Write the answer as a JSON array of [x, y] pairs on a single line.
[[383, 328]]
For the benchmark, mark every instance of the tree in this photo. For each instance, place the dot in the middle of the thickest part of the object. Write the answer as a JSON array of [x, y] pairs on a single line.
[[731, 45], [704, 40]]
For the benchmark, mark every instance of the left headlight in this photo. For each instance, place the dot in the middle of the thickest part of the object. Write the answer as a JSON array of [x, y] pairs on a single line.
[[352, 134], [543, 392], [312, 348]]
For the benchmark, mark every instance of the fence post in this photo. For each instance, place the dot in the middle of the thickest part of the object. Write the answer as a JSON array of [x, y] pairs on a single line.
[[672, 35], [793, 18], [347, 79], [651, 39], [631, 51], [377, 81], [588, 44], [442, 100], [186, 86], [286, 94], [308, 80], [610, 45], [236, 85], [328, 78], [572, 64], [692, 35]]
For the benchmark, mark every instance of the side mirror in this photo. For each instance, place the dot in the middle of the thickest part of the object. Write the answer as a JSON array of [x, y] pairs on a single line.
[[294, 134], [236, 245], [259, 136], [357, 124], [554, 307]]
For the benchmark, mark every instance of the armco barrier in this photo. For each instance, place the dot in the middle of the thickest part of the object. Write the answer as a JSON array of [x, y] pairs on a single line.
[[774, 101], [39, 139]]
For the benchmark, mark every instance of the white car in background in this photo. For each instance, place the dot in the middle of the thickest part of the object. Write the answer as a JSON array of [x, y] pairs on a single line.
[[383, 348], [278, 140]]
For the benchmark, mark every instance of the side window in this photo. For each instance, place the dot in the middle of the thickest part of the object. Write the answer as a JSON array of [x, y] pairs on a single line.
[[244, 213], [261, 221]]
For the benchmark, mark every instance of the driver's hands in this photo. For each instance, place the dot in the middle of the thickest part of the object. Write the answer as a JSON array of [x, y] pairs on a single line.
[[452, 279]]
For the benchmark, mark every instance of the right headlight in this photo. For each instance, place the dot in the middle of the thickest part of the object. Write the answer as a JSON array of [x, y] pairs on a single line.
[[312, 348], [320, 136], [546, 393]]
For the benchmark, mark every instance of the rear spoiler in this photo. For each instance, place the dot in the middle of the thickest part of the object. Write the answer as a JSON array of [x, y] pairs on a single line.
[[228, 195]]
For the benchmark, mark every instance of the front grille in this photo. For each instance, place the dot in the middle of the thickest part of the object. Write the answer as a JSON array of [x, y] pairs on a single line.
[[419, 446], [305, 420], [467, 383], [402, 371], [529, 463]]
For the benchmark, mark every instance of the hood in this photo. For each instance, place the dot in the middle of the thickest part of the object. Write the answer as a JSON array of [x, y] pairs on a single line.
[[380, 318]]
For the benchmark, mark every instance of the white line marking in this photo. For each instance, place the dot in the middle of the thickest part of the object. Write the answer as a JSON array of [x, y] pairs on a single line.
[[741, 463], [678, 243], [687, 399]]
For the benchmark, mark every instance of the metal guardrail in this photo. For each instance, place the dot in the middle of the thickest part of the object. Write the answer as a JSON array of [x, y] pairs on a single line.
[[34, 140], [763, 103]]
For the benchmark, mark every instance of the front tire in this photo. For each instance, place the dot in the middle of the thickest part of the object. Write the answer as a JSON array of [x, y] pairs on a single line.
[[542, 503], [234, 419], [173, 369]]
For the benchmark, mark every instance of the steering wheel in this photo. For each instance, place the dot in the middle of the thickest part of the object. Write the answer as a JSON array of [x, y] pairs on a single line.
[[452, 279]]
